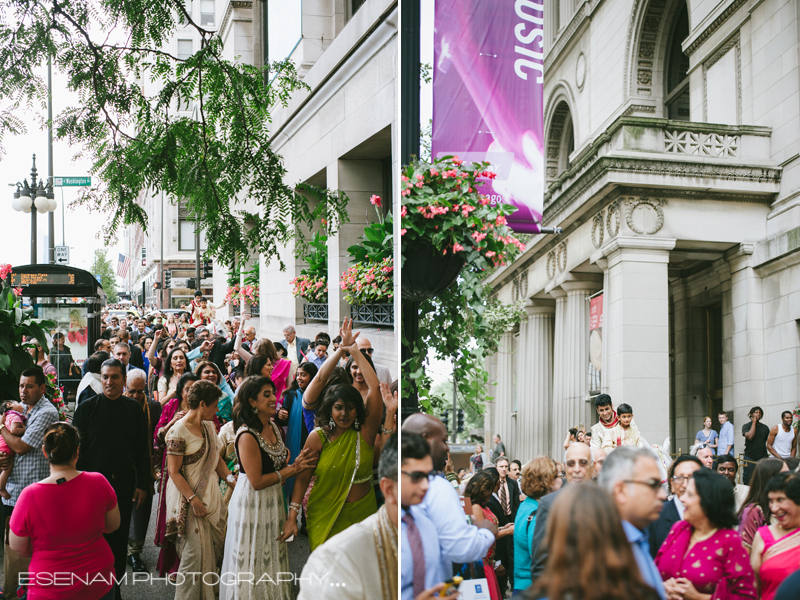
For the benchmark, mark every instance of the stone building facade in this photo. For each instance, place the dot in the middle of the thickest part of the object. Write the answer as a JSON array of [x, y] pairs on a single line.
[[672, 157]]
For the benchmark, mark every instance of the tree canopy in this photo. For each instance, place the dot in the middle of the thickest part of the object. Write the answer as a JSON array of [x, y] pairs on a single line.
[[214, 153]]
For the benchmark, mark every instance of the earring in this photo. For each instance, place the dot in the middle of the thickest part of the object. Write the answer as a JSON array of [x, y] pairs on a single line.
[[332, 423], [255, 410], [356, 424]]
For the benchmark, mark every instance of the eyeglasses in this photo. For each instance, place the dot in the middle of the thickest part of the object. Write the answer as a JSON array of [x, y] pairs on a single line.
[[417, 476], [136, 392], [653, 484], [582, 462], [680, 479]]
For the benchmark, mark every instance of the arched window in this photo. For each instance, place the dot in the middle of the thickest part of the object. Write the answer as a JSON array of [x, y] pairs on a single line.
[[560, 141], [676, 70]]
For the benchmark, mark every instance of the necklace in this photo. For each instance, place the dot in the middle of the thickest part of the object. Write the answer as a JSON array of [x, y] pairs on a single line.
[[699, 538]]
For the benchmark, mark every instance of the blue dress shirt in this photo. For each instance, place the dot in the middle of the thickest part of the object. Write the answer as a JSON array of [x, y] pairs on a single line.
[[458, 540], [641, 551], [430, 546], [725, 438]]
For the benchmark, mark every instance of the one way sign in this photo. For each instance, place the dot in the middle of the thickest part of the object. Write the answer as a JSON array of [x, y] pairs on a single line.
[[62, 255]]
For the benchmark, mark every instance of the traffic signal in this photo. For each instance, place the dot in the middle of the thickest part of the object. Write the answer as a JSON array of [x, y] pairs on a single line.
[[208, 269], [446, 420], [156, 286], [460, 421], [144, 257], [191, 283], [168, 279]]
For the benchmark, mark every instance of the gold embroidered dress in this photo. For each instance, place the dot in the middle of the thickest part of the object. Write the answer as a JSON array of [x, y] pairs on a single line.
[[199, 541]]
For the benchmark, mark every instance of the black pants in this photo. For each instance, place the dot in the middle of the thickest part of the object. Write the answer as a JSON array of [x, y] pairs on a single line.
[[140, 520], [747, 471], [118, 540]]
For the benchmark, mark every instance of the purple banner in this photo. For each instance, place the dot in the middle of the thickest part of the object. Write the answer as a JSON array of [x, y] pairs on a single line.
[[488, 80]]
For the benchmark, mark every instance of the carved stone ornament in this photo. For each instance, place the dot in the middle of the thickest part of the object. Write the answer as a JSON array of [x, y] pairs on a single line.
[[613, 219], [551, 264], [515, 290], [598, 230], [523, 285], [644, 216], [561, 256]]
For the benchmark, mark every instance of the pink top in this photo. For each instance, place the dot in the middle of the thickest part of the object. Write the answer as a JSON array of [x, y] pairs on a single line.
[[12, 416], [779, 559], [65, 523], [718, 566]]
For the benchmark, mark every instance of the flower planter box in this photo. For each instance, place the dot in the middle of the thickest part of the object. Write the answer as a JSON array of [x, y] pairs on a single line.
[[315, 312], [373, 314]]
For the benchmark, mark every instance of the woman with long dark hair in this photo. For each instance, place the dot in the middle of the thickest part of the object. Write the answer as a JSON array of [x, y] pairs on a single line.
[[256, 511], [344, 439], [590, 555], [297, 431], [755, 509], [174, 367]]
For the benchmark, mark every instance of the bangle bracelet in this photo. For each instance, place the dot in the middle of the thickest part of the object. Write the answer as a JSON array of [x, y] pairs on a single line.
[[387, 431], [189, 499], [280, 478], [296, 506]]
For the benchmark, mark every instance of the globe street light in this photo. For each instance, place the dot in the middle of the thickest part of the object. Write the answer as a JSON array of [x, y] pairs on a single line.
[[37, 196]]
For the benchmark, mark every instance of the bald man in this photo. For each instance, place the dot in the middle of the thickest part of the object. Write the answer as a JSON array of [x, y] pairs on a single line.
[[459, 542], [579, 467], [383, 373], [249, 338]]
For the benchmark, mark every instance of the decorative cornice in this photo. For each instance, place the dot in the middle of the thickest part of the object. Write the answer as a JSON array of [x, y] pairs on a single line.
[[229, 10], [714, 26], [566, 35], [722, 51], [658, 167], [638, 108]]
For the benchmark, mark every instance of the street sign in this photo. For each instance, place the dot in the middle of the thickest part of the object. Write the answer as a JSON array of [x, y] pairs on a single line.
[[72, 181], [62, 255]]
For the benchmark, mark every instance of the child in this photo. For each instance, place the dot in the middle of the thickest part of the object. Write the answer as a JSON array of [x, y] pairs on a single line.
[[320, 352], [625, 433], [15, 423]]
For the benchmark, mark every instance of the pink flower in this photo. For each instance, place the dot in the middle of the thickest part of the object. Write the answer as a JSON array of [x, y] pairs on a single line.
[[18, 291], [501, 220], [457, 247], [403, 211], [434, 172], [375, 200], [420, 184], [458, 161], [5, 270], [490, 254], [420, 177]]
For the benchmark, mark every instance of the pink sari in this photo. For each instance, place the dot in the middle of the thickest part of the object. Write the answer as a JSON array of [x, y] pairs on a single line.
[[780, 559], [752, 520], [718, 565], [280, 377]]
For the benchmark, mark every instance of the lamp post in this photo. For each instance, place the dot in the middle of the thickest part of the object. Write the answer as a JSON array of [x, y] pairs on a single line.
[[35, 195]]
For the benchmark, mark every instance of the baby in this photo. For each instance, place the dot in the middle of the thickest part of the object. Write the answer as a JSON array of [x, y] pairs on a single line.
[[15, 423]]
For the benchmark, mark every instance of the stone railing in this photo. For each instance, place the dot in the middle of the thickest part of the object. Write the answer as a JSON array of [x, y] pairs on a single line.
[[675, 154]]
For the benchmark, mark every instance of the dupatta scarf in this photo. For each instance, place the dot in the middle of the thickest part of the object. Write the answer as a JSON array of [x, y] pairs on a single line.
[[781, 558]]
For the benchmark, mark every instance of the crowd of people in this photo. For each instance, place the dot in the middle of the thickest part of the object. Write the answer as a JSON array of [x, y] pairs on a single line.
[[609, 519], [234, 447]]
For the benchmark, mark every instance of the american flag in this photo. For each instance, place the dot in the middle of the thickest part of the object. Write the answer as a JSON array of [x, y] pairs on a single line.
[[122, 265]]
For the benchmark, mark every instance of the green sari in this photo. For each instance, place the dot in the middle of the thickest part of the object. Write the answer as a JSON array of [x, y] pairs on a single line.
[[342, 463]]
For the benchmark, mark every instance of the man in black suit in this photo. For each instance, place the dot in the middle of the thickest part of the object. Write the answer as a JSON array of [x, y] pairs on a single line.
[[507, 499], [679, 474], [579, 469], [296, 347]]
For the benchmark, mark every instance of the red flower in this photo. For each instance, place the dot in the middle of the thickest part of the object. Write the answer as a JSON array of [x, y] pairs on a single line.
[[375, 200]]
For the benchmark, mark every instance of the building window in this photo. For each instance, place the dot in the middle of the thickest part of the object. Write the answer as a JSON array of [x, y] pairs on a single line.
[[186, 236], [560, 142], [206, 12], [676, 71], [184, 49]]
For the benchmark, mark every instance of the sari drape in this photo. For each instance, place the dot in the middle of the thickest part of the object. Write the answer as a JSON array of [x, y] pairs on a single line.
[[342, 463], [780, 559], [294, 435], [199, 541]]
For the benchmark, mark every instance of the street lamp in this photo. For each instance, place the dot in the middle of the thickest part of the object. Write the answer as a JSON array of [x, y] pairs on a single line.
[[37, 196]]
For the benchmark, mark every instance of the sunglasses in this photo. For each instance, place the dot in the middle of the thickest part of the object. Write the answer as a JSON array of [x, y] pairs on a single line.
[[417, 476]]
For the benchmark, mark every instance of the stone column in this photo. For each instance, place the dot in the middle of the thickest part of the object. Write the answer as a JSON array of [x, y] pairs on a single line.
[[638, 330], [747, 341], [558, 420], [503, 421], [536, 371], [575, 375]]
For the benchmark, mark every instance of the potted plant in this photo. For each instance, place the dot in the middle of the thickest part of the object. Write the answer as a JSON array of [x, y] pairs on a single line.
[[312, 283], [447, 222], [368, 284], [248, 290]]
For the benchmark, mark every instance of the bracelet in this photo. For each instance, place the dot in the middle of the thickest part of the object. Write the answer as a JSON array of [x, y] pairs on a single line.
[[387, 431], [296, 506], [280, 478], [189, 499]]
